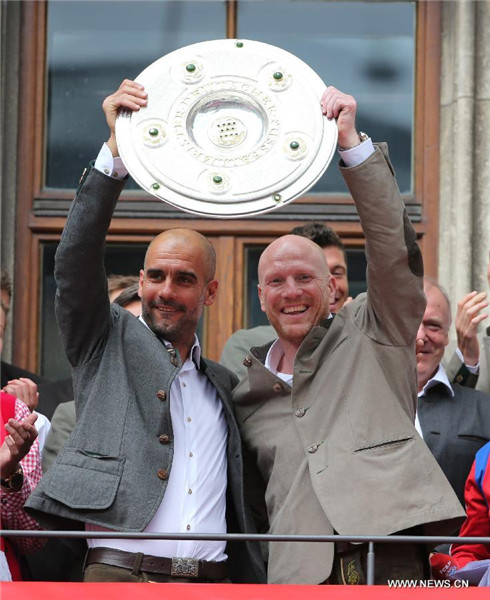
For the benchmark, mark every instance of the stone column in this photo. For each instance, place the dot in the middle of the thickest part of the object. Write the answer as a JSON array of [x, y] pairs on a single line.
[[481, 211], [10, 19], [464, 234]]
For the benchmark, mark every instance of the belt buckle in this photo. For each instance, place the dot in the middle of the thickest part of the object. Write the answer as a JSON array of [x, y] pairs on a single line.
[[185, 567]]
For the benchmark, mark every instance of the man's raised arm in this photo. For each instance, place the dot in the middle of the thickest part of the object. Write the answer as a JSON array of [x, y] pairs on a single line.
[[82, 304], [395, 269]]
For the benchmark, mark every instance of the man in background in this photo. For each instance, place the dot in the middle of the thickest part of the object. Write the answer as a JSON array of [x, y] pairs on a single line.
[[453, 420]]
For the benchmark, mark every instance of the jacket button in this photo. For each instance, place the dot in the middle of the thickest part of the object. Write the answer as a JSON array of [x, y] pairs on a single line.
[[163, 439], [312, 449], [459, 378], [162, 474], [277, 387], [162, 395], [300, 412], [247, 362]]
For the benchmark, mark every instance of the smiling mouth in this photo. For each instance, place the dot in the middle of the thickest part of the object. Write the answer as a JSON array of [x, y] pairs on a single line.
[[166, 309], [295, 310]]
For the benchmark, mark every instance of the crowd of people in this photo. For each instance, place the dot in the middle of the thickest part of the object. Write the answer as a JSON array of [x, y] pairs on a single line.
[[348, 416]]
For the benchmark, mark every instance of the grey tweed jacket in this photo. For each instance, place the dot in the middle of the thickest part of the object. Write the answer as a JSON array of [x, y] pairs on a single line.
[[108, 472]]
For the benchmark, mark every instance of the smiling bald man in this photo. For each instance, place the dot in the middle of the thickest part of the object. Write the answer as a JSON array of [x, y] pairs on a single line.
[[327, 410]]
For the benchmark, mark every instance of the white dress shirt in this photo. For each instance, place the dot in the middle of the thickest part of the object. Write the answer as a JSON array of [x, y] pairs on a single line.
[[43, 425], [272, 360], [439, 377], [110, 165], [473, 369], [358, 154]]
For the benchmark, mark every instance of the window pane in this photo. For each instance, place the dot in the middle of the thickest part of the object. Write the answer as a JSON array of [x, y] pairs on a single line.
[[366, 49], [119, 260], [92, 47], [253, 314], [356, 266]]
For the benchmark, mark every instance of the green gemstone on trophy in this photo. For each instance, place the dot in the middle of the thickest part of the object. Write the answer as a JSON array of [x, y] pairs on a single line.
[[239, 44], [277, 197], [155, 186], [278, 76], [153, 131], [191, 68], [217, 179], [294, 145]]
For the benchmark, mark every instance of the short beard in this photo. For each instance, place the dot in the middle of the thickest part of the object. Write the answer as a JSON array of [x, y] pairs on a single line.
[[285, 332], [172, 332]]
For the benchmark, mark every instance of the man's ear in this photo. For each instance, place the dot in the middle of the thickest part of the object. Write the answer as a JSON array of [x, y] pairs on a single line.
[[140, 288], [210, 292], [261, 299]]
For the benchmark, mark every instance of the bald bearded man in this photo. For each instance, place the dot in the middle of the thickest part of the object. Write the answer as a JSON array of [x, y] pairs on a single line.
[[156, 447]]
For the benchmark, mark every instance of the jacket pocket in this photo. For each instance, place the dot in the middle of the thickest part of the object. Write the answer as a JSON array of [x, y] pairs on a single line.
[[85, 480], [385, 444], [478, 439]]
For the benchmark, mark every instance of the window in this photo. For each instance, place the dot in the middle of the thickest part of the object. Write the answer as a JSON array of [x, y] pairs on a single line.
[[119, 260], [74, 53], [364, 48], [91, 48]]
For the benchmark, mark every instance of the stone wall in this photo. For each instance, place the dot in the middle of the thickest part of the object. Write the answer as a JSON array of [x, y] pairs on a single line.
[[464, 239]]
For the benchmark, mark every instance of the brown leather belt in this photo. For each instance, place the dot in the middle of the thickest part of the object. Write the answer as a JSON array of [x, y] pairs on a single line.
[[174, 567]]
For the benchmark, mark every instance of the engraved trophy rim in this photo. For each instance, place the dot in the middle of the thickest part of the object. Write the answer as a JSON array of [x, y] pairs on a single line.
[[232, 128]]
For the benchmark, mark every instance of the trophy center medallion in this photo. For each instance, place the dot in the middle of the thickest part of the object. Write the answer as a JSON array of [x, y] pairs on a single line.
[[227, 131], [227, 125]]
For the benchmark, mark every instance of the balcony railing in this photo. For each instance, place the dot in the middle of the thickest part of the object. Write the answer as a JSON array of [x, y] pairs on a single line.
[[371, 540]]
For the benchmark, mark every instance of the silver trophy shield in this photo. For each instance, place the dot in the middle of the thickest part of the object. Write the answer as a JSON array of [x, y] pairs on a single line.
[[232, 128]]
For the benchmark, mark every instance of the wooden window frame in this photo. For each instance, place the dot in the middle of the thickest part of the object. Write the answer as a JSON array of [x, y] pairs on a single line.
[[41, 212]]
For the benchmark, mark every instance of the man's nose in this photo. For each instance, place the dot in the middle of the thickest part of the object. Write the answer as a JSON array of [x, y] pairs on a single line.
[[291, 287], [166, 289], [421, 333]]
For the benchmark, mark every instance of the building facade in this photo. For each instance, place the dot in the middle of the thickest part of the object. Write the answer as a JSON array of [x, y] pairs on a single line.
[[420, 72]]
